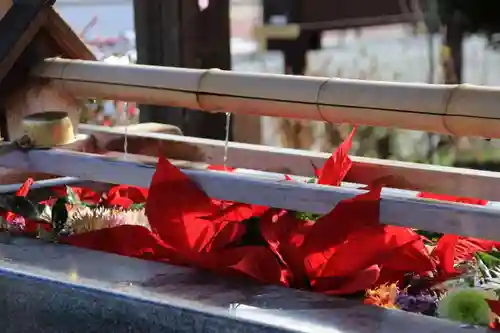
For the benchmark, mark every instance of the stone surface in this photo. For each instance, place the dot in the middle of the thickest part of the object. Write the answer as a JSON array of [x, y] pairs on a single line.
[[55, 288]]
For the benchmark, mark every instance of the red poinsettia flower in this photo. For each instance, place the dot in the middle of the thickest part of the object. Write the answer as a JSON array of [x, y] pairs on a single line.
[[21, 192], [188, 228], [412, 256], [343, 252], [30, 226], [338, 165], [125, 196], [189, 221], [84, 194], [350, 244], [452, 249]]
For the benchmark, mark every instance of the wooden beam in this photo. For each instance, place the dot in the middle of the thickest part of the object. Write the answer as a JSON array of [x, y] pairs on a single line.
[[4, 7], [395, 174], [17, 29], [396, 209]]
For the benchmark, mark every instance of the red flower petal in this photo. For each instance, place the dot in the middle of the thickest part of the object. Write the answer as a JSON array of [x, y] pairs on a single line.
[[494, 306], [444, 197], [452, 249], [228, 223], [25, 188], [257, 262], [125, 196], [21, 192], [174, 209], [126, 240], [346, 217], [376, 245], [407, 251], [495, 325], [388, 275], [359, 281], [84, 194], [336, 167], [285, 234], [445, 253], [221, 168]]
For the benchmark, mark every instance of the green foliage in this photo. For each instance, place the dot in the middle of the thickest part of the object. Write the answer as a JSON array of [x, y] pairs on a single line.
[[307, 216], [59, 216], [137, 206], [23, 207], [430, 235]]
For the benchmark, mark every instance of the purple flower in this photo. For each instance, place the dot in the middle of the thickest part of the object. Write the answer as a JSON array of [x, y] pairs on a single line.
[[424, 304]]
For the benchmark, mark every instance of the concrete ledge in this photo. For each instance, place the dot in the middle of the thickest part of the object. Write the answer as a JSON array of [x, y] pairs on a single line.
[[55, 288]]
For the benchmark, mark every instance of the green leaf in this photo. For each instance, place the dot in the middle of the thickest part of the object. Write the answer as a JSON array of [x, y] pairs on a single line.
[[495, 253], [59, 215], [22, 206], [430, 235], [489, 260], [72, 197], [489, 266], [307, 216], [137, 206]]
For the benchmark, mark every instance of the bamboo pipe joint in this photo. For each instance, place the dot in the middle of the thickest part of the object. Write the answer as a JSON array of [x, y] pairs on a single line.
[[463, 110]]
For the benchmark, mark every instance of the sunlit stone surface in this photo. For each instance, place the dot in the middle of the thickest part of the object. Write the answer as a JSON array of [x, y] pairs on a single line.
[[54, 288]]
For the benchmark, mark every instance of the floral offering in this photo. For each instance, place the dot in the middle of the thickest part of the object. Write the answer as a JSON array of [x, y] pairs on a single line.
[[346, 252]]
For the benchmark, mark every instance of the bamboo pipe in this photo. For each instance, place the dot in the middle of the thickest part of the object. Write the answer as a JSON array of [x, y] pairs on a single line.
[[461, 110]]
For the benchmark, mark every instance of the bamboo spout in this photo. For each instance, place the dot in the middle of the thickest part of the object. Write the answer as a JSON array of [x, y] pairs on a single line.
[[462, 110]]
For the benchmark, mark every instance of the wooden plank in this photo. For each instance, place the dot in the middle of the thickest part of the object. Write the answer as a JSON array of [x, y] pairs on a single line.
[[66, 38], [396, 209], [9, 176], [149, 127], [17, 28], [4, 7], [40, 184], [405, 175]]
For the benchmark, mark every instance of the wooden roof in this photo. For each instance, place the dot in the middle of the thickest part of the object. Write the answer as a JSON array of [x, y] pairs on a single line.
[[24, 21]]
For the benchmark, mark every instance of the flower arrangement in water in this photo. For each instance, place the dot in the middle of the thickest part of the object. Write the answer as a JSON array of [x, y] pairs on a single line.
[[346, 252]]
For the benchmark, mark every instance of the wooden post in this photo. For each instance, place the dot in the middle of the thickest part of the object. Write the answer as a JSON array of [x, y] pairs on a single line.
[[213, 51], [452, 64], [177, 33], [453, 40]]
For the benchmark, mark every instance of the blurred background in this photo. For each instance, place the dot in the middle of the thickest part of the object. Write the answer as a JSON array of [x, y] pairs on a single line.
[[436, 41]]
